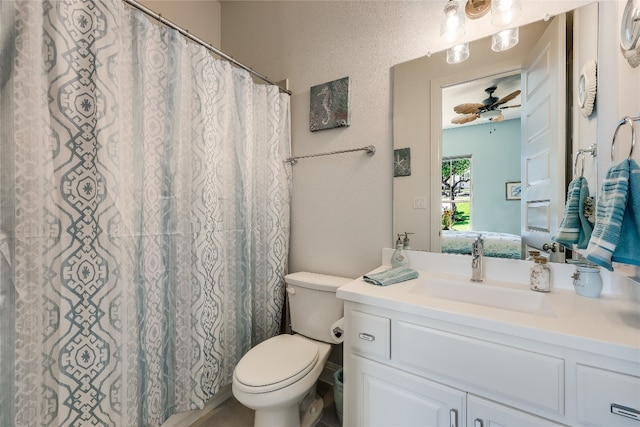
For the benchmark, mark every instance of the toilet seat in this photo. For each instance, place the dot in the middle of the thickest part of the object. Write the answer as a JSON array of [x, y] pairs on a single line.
[[276, 363]]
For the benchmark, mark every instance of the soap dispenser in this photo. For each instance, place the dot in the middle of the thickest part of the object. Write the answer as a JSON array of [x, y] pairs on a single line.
[[406, 242], [399, 258]]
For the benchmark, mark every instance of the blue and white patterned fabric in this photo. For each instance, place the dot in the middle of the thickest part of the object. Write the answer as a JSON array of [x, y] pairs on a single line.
[[144, 210]]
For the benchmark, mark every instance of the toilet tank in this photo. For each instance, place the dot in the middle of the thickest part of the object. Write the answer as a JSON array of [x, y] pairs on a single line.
[[313, 305]]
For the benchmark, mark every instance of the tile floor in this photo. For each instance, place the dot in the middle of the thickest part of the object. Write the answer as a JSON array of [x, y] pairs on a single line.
[[232, 414]]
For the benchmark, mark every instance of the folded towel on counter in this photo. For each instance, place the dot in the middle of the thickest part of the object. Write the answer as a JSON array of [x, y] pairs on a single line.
[[575, 228], [611, 207], [391, 276], [628, 249]]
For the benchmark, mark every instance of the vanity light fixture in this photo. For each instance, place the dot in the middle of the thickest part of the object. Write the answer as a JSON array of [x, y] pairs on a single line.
[[458, 53], [475, 9], [504, 12], [452, 22], [504, 40]]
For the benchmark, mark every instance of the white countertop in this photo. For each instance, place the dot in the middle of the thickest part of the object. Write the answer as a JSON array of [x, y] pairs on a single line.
[[609, 325]]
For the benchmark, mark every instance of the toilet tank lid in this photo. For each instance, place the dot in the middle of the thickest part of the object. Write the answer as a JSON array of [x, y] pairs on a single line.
[[321, 282]]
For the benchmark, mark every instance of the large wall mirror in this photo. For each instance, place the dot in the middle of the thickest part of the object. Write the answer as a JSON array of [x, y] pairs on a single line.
[[500, 171]]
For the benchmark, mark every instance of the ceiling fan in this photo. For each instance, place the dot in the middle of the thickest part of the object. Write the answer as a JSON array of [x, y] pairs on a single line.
[[490, 108]]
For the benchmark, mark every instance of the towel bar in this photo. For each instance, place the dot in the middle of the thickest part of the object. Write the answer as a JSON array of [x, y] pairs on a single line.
[[370, 149]]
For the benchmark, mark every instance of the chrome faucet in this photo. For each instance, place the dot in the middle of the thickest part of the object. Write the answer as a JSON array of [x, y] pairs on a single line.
[[477, 251]]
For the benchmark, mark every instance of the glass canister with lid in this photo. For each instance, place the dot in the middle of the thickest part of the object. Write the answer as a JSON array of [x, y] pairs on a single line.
[[540, 278]]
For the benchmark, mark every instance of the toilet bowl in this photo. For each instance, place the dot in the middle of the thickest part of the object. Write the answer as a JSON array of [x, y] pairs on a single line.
[[277, 377]]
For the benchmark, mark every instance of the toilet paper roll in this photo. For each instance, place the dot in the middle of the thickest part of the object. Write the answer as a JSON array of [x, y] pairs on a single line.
[[337, 331]]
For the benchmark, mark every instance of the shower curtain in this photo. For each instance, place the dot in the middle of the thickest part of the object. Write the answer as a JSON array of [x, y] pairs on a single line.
[[144, 216]]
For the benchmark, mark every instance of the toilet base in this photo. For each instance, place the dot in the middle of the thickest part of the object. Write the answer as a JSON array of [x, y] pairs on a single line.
[[306, 415], [313, 413]]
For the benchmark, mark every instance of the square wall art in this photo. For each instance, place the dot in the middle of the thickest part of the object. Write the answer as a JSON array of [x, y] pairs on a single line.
[[402, 162], [330, 105]]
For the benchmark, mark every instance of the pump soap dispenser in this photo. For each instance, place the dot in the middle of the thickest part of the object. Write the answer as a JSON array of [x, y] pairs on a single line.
[[406, 242], [399, 258]]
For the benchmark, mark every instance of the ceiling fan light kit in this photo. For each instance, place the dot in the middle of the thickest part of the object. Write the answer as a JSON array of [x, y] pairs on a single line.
[[490, 108], [503, 12]]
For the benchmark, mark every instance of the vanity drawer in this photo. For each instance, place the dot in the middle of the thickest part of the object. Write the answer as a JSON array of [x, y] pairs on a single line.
[[599, 389], [513, 375], [368, 333]]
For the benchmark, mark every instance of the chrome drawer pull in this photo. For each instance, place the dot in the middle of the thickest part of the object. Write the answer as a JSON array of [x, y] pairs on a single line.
[[453, 418], [625, 411], [366, 337]]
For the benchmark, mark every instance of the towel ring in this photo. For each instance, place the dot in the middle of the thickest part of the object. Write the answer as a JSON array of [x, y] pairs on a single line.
[[593, 150], [622, 122]]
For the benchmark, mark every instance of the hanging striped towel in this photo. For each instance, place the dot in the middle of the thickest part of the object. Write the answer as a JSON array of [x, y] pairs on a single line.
[[575, 229], [391, 276], [612, 203], [628, 249]]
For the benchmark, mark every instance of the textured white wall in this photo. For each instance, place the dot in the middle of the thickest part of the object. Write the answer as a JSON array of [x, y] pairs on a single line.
[[200, 17], [342, 205]]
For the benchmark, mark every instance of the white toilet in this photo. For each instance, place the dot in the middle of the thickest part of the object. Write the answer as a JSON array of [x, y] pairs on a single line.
[[277, 378]]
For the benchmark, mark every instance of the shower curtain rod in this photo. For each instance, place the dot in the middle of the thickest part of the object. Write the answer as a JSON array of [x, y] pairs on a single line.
[[198, 40]]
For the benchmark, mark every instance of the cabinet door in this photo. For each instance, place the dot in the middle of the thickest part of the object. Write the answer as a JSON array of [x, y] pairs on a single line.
[[604, 397], [485, 413], [384, 396]]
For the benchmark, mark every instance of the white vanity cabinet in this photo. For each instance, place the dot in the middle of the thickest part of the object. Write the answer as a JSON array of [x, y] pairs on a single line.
[[385, 396], [403, 369]]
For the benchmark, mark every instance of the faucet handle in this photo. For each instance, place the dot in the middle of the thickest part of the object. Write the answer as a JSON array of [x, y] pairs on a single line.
[[477, 248]]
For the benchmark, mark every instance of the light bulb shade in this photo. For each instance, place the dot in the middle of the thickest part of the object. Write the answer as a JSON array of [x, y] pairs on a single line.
[[504, 40], [504, 12], [458, 53], [491, 114], [452, 22]]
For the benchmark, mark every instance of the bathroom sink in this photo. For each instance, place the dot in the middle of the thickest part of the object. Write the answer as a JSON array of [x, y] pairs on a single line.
[[490, 295]]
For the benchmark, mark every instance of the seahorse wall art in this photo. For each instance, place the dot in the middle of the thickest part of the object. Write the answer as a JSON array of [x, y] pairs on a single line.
[[330, 105]]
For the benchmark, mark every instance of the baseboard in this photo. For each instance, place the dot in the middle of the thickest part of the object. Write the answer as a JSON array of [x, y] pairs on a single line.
[[191, 418], [330, 368]]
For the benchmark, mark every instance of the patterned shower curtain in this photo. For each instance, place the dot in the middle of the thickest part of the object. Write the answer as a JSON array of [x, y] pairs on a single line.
[[144, 216]]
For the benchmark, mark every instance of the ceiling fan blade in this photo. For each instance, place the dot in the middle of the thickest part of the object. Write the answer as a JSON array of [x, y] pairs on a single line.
[[507, 98], [498, 118], [510, 106], [468, 108], [464, 118]]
